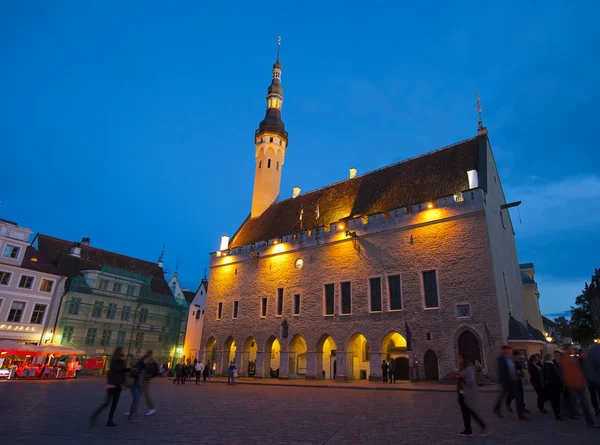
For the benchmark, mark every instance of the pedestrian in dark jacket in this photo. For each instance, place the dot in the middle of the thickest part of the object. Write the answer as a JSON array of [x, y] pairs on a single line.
[[115, 378], [384, 371], [177, 373], [536, 378], [518, 394], [206, 372], [593, 389], [554, 385], [508, 378]]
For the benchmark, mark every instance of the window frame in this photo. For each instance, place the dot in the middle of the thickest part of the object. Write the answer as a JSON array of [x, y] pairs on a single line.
[[36, 312], [437, 289], [101, 281], [280, 296], [4, 273], [124, 332], [235, 312], [46, 280], [16, 257], [74, 306], [219, 310], [106, 342], [67, 337], [88, 341], [143, 312], [21, 276], [376, 277], [463, 304], [389, 291], [297, 305], [22, 311], [98, 306], [264, 305], [119, 285], [112, 310], [341, 302], [125, 312], [325, 314]]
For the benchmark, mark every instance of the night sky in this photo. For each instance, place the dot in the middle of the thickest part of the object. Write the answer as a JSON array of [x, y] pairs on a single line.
[[132, 123]]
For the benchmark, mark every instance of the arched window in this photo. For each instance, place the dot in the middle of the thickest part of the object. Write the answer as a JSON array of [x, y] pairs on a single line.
[[269, 163], [259, 164]]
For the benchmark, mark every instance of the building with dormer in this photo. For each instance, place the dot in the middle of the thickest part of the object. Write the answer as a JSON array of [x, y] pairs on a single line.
[[414, 262], [29, 287]]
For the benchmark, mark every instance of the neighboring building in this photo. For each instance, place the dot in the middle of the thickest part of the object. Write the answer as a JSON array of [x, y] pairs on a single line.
[[552, 331], [177, 290], [193, 333], [564, 327], [531, 297], [325, 284], [29, 286], [114, 300]]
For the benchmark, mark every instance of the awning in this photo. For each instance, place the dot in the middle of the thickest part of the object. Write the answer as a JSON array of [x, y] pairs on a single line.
[[11, 347], [58, 349]]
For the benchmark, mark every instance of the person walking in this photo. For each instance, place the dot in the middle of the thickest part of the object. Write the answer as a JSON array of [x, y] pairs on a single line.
[[384, 371], [392, 368], [507, 377], [467, 397], [575, 383], [230, 377], [150, 371], [114, 380], [536, 378], [198, 369], [137, 374], [593, 389], [554, 385], [77, 369], [518, 360], [206, 372], [177, 378]]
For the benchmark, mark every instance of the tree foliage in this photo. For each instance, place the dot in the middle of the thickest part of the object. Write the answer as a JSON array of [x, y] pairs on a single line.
[[583, 328]]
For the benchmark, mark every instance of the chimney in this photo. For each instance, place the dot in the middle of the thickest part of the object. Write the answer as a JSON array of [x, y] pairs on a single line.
[[473, 179], [76, 250], [224, 242], [296, 192], [85, 241], [352, 172]]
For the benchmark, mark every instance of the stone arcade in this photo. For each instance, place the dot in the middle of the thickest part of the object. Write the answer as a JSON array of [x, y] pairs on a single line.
[[327, 284]]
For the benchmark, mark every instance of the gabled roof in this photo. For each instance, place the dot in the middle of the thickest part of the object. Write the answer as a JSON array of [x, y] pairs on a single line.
[[34, 261], [189, 295], [57, 251], [421, 179], [520, 331]]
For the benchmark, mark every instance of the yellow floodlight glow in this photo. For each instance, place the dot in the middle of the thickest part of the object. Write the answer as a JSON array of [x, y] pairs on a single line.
[[224, 242], [430, 205]]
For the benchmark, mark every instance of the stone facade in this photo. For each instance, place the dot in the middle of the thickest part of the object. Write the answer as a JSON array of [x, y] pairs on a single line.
[[453, 240]]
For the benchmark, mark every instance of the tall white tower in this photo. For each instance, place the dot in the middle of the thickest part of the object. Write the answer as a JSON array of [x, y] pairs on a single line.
[[271, 141]]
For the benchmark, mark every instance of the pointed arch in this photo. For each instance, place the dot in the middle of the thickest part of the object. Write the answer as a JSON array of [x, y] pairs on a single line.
[[326, 357], [430, 365], [271, 357]]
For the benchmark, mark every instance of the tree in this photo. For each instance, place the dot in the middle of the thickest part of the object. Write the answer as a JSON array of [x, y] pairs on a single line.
[[583, 320]]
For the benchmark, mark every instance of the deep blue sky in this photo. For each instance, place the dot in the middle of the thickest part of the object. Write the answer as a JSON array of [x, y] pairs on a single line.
[[132, 123]]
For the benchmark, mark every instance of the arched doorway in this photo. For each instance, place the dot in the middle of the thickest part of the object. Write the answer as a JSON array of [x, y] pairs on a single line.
[[393, 349], [228, 354], [210, 354], [248, 365], [358, 368], [297, 356], [326, 358], [469, 347], [271, 357], [430, 365]]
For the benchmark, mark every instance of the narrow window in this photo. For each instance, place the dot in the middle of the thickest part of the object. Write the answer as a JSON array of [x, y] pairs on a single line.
[[329, 297], [430, 287], [121, 336], [5, 278], [235, 309], [280, 301], [394, 287], [144, 315], [219, 310], [125, 313], [375, 287], [346, 298], [263, 307], [259, 164], [112, 311], [105, 340], [198, 314], [74, 306], [271, 139], [269, 163], [97, 309], [90, 337], [277, 166], [297, 304]]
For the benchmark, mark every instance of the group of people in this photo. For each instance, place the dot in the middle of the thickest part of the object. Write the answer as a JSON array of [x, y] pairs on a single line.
[[388, 371], [186, 372], [563, 380], [137, 378]]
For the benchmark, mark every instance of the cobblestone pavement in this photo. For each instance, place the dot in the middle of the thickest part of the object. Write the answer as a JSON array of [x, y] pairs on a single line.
[[57, 412]]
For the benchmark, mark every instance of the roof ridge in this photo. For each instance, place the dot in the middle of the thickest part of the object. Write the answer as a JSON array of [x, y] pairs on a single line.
[[102, 250], [379, 169]]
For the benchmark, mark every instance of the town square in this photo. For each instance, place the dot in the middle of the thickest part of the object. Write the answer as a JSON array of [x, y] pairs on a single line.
[[299, 224]]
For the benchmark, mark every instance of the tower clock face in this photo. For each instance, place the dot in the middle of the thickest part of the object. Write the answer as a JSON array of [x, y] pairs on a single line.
[[299, 263]]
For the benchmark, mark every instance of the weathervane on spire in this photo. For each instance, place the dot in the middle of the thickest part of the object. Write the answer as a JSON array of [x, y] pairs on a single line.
[[478, 106]]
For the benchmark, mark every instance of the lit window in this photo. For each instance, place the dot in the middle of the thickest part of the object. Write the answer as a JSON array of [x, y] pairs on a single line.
[[5, 278], [11, 251], [37, 317], [16, 312], [46, 286], [26, 282]]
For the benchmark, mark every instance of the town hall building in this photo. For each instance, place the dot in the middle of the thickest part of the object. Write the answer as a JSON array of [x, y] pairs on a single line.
[[414, 262]]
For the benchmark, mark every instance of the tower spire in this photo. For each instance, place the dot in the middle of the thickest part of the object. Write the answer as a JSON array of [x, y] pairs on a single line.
[[480, 128], [278, 47]]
